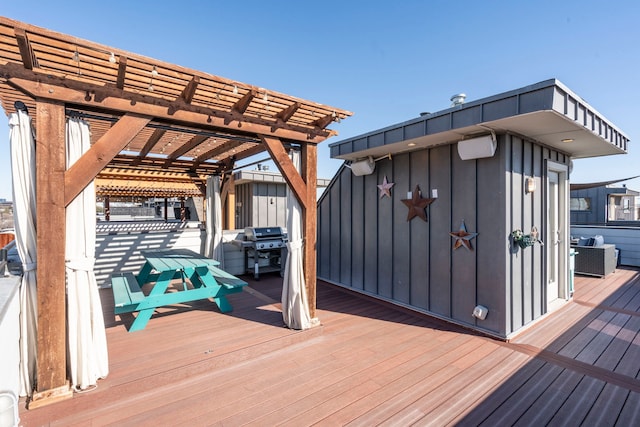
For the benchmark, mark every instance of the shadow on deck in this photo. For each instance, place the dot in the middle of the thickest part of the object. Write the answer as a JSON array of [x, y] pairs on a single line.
[[369, 363]]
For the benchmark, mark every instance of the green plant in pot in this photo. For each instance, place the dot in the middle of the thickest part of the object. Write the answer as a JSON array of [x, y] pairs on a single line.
[[525, 240]]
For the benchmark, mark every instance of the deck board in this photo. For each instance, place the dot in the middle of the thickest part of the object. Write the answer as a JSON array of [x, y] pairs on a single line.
[[630, 413], [607, 407], [550, 400], [621, 343], [520, 401], [369, 363], [577, 406]]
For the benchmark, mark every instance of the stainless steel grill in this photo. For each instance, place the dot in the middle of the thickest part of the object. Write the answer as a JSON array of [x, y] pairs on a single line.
[[264, 249]]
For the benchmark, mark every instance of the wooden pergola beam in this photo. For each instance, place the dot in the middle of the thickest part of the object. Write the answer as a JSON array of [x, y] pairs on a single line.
[[145, 175], [111, 98], [221, 149], [148, 146], [190, 90], [323, 122], [122, 71], [257, 148], [83, 171], [177, 165], [288, 112], [195, 141], [243, 103], [198, 182], [287, 169], [26, 51]]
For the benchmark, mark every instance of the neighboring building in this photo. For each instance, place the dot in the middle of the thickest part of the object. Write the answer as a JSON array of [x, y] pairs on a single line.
[[261, 198], [496, 165], [6, 215], [603, 204]]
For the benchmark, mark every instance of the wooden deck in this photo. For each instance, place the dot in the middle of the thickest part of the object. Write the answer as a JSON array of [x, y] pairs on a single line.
[[368, 364]]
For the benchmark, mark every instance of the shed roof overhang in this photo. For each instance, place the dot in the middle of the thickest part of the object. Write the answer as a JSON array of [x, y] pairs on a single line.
[[546, 112]]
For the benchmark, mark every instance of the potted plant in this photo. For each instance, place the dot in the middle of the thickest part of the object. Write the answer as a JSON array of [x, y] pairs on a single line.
[[525, 240]]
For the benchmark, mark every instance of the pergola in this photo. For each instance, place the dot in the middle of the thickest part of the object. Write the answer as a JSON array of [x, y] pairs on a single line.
[[154, 125]]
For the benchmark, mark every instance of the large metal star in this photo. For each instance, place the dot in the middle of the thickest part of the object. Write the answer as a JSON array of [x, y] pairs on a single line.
[[417, 205], [463, 237], [385, 187]]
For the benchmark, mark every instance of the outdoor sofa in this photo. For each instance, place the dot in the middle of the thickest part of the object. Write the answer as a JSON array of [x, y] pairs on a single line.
[[594, 257]]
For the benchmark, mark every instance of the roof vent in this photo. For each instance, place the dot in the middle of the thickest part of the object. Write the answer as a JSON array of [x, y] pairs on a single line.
[[458, 99]]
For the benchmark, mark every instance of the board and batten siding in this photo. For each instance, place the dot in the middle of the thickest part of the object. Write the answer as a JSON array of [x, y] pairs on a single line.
[[262, 204], [597, 215], [365, 242]]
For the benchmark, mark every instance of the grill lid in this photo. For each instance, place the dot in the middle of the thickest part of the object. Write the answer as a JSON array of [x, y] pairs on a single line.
[[262, 233]]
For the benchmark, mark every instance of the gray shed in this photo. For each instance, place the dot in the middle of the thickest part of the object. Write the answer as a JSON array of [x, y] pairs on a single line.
[[261, 198], [496, 165]]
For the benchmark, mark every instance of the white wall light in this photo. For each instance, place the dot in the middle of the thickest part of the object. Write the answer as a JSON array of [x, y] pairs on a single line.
[[363, 167], [477, 148], [531, 184], [366, 166]]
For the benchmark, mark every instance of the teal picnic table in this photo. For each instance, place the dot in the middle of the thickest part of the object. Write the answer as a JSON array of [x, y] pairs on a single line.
[[195, 277]]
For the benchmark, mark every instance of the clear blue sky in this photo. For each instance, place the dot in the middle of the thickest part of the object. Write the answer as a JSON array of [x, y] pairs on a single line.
[[385, 61]]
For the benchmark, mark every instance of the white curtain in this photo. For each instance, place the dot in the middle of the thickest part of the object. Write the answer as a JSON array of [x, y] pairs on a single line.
[[213, 244], [87, 347], [295, 307], [23, 172]]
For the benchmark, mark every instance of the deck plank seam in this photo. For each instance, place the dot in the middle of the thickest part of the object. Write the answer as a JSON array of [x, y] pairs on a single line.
[[583, 368], [607, 308]]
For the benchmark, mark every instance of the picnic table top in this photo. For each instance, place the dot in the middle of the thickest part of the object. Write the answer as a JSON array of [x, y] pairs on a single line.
[[177, 259]]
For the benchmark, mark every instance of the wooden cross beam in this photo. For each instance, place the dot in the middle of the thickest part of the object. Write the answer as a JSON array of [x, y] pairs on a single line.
[[83, 171]]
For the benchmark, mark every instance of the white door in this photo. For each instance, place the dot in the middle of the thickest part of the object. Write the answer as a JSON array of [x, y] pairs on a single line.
[[554, 233]]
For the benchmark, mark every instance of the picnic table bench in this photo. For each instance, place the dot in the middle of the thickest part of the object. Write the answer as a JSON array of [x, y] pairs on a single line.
[[199, 276]]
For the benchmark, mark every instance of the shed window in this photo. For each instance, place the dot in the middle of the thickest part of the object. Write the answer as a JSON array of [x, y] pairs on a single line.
[[581, 203]]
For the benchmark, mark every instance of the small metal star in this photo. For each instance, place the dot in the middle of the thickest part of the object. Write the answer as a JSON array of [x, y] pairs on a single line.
[[417, 205], [385, 187], [463, 237]]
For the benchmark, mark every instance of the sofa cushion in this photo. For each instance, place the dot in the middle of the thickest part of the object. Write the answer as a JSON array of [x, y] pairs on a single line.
[[583, 241]]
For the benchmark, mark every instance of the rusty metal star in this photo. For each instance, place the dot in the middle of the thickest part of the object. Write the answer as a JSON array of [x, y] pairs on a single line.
[[385, 187], [463, 237], [417, 205]]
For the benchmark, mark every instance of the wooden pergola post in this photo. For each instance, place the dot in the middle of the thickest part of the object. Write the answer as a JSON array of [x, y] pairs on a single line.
[[228, 197], [107, 208], [166, 209], [309, 170], [304, 186], [52, 381]]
